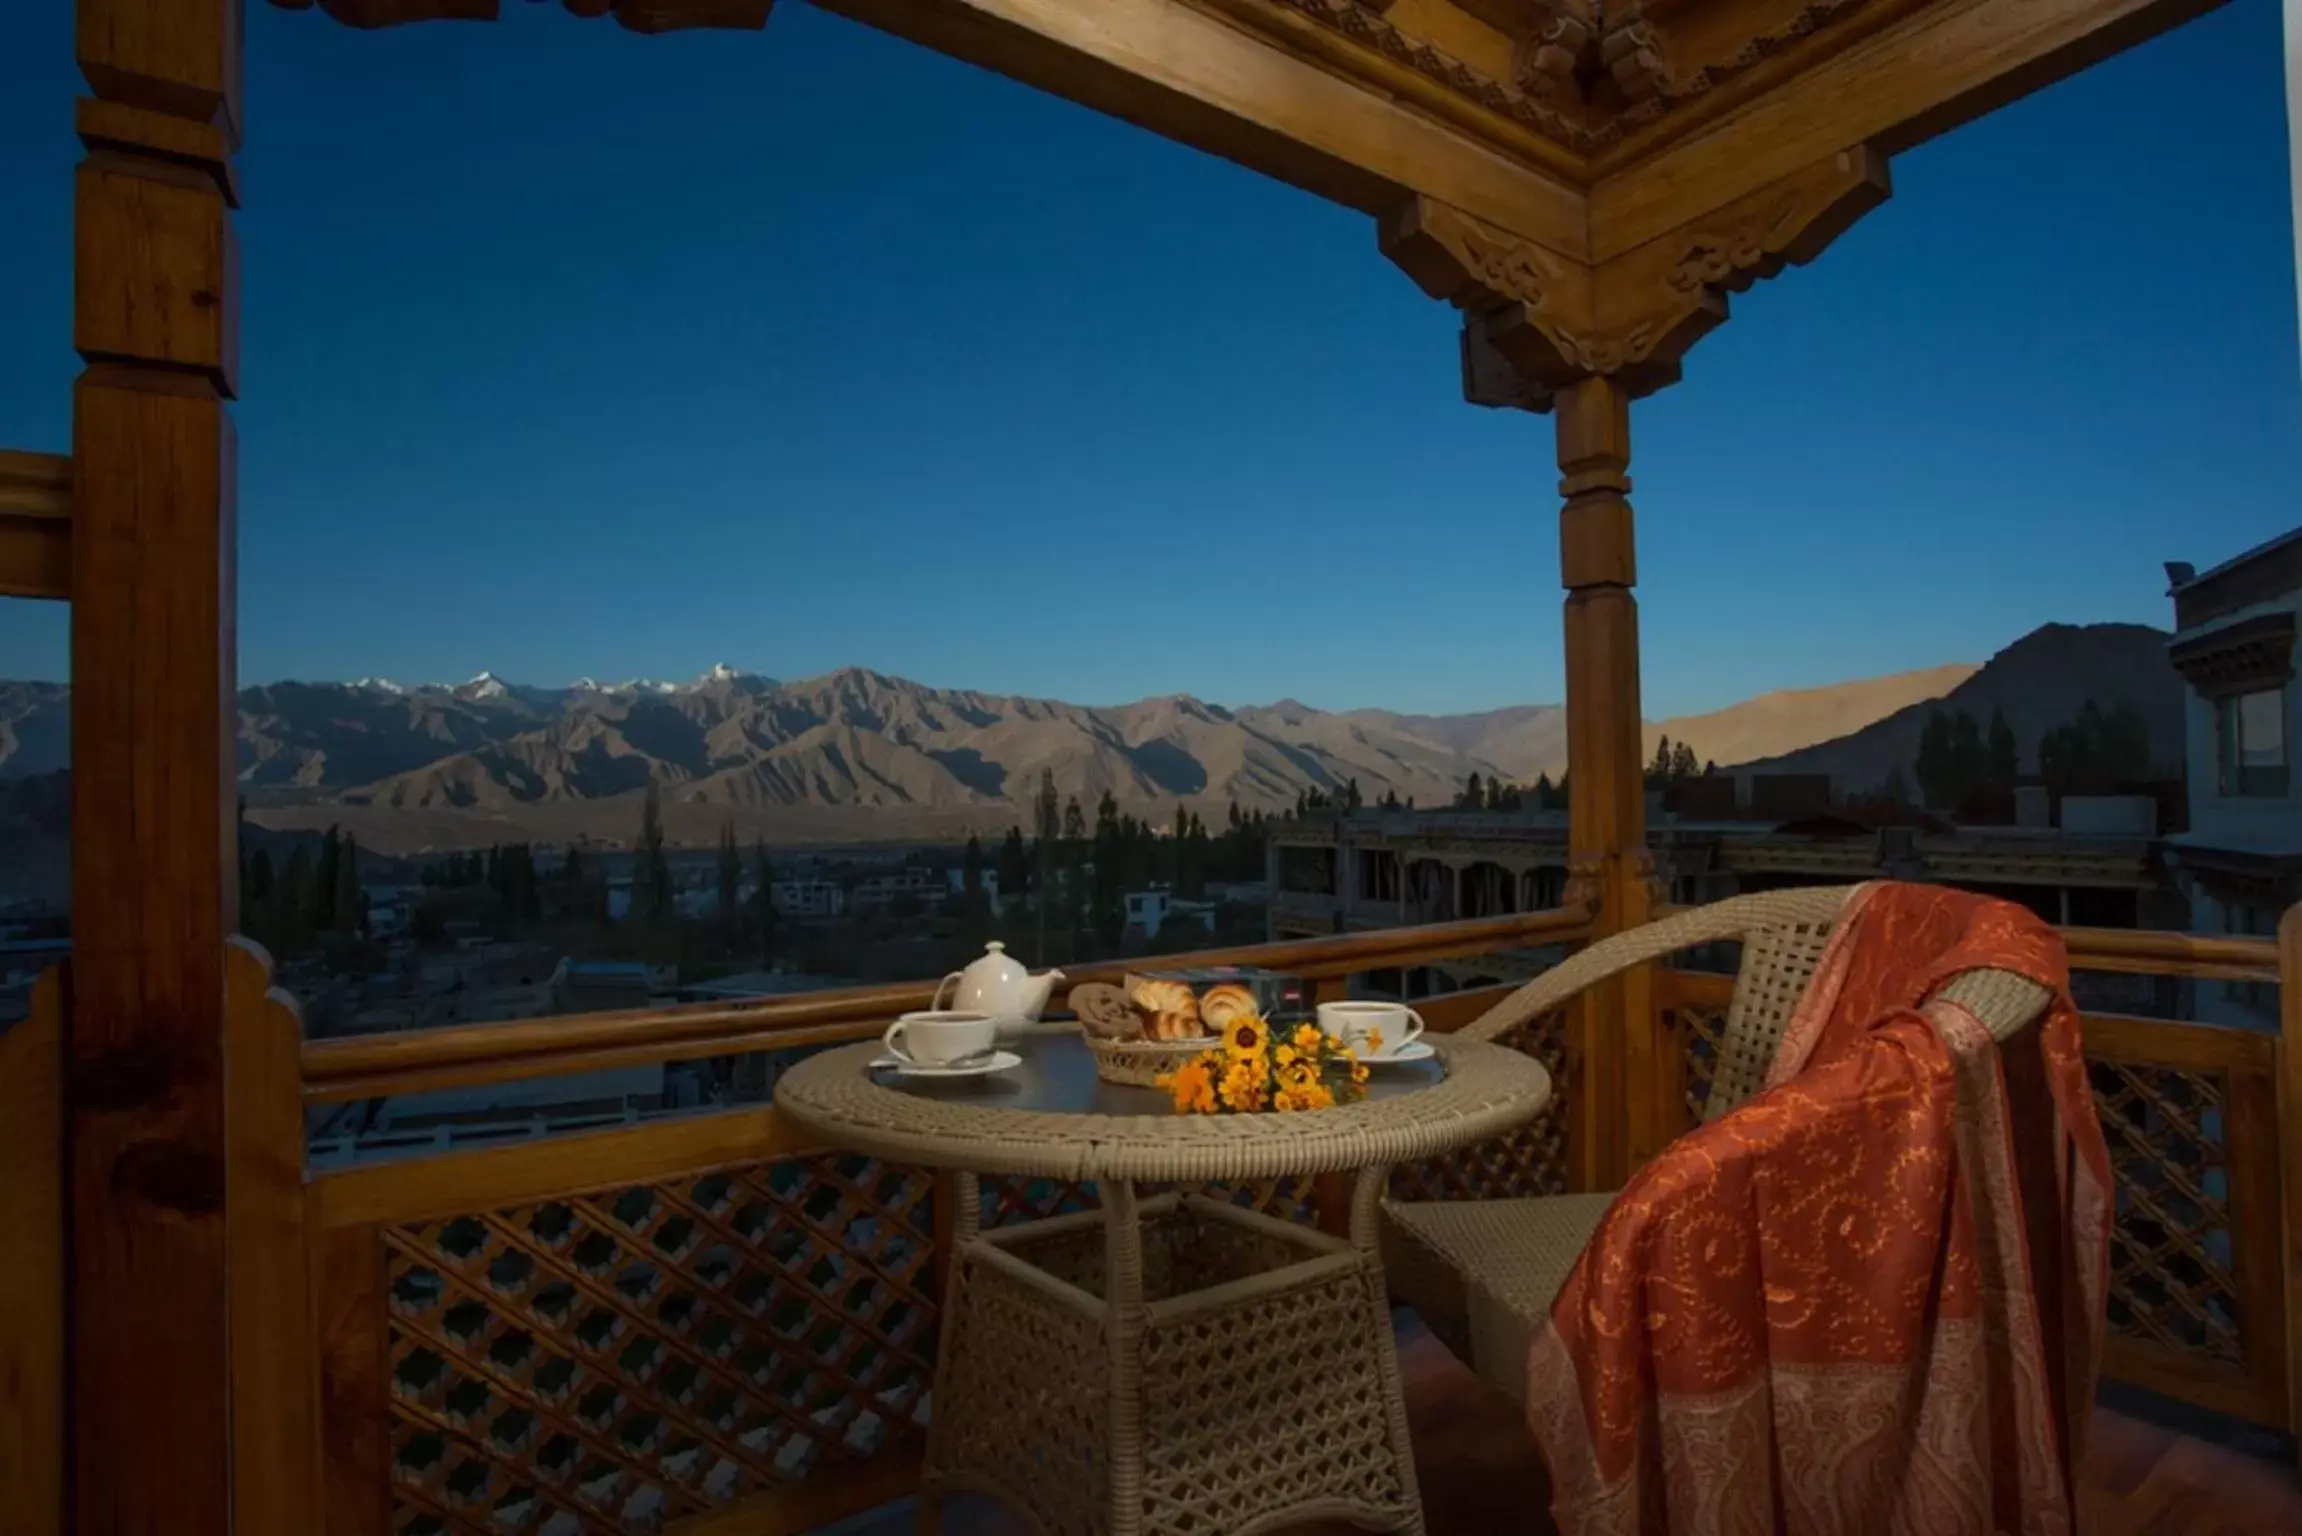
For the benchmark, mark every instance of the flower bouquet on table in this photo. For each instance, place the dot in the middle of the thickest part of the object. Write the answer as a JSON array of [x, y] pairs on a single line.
[[1256, 1067]]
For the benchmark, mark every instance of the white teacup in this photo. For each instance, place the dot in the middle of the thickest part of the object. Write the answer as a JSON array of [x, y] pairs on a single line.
[[1395, 1024], [939, 1036]]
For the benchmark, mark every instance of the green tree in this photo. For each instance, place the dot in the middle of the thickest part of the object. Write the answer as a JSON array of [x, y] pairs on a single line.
[[1935, 766], [971, 875], [2003, 755], [320, 914], [1970, 760], [763, 902], [1659, 771], [1351, 801], [1014, 867], [348, 909], [651, 894], [730, 870], [1683, 766], [1109, 914], [292, 907], [572, 899], [1474, 796]]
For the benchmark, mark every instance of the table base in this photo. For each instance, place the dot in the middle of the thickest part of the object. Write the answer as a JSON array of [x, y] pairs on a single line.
[[1169, 1367]]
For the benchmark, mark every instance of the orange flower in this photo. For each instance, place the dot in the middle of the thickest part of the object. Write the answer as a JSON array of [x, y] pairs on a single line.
[[1192, 1087]]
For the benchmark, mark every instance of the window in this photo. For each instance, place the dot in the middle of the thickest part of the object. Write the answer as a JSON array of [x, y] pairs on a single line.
[[2250, 739]]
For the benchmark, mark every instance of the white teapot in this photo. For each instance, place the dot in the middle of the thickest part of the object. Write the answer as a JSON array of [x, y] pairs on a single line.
[[999, 986]]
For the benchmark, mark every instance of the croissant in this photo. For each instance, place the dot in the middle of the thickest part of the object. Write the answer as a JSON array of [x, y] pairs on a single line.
[[1176, 1024], [1218, 1006]]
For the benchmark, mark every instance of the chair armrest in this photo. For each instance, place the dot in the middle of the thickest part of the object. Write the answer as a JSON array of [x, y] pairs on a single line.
[[2004, 1002], [1729, 919]]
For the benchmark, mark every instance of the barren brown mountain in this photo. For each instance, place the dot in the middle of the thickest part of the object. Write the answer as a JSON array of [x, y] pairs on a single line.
[[1774, 723], [859, 756], [2040, 682]]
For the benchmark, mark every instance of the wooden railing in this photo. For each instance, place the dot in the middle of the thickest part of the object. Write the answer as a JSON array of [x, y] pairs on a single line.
[[697, 1324], [701, 1324]]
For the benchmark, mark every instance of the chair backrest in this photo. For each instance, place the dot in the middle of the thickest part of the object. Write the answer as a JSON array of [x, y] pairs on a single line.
[[1777, 963], [1805, 916]]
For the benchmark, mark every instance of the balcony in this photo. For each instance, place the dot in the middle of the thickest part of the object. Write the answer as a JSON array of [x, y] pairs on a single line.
[[702, 1323], [705, 1324]]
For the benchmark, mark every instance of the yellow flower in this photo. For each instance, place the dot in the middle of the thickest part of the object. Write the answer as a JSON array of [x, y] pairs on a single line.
[[1299, 1075], [1284, 1055], [1374, 1040], [1308, 1038], [1246, 1035], [1243, 1093], [1358, 1072]]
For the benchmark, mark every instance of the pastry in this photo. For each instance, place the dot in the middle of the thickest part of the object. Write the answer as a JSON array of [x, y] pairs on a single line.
[[1218, 1006], [1105, 1012]]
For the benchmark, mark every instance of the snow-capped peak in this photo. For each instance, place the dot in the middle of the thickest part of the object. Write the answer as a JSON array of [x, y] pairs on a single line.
[[380, 685], [588, 685], [721, 672], [487, 686]]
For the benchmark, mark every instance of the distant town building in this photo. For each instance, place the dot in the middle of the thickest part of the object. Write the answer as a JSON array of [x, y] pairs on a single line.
[[807, 898], [2240, 862], [1148, 911], [882, 889]]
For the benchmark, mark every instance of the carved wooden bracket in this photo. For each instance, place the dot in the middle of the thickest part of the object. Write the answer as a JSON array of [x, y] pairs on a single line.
[[1536, 321]]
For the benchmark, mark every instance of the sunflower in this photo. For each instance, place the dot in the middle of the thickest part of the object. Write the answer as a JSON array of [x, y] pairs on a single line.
[[1246, 1035]]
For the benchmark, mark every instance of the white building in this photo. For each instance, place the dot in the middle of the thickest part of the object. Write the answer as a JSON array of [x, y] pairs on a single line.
[[2240, 864], [911, 880], [807, 898], [1149, 910]]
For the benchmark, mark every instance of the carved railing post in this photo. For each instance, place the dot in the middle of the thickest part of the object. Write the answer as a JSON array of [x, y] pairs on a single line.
[[1543, 331], [155, 279]]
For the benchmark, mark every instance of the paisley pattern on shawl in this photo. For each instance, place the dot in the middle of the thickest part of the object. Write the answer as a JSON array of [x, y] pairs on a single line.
[[1870, 1299]]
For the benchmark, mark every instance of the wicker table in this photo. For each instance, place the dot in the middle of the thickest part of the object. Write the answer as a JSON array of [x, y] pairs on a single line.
[[1171, 1364]]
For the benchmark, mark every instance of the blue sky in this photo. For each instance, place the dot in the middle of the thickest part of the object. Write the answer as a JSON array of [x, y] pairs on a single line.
[[569, 351]]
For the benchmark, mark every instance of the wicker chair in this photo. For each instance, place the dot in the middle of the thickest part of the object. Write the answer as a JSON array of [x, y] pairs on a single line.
[[1483, 1273]]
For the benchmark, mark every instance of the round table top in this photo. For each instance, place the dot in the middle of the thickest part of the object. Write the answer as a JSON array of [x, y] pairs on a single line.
[[1052, 1117]]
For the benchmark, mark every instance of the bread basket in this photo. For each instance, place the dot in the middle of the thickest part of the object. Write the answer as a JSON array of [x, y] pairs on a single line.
[[1141, 1063]]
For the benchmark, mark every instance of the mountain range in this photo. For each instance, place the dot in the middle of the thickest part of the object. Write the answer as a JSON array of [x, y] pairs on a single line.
[[857, 755]]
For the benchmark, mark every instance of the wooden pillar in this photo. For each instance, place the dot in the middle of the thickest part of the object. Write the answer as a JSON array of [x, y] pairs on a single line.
[[1614, 1030], [153, 857]]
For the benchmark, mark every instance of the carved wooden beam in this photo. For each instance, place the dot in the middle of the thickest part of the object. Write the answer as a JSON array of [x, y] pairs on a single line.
[[637, 15], [35, 525], [1536, 322], [1928, 70]]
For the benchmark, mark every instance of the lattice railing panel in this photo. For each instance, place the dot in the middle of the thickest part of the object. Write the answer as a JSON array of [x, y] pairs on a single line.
[[612, 1361], [1531, 1160], [1700, 1030], [2171, 1256]]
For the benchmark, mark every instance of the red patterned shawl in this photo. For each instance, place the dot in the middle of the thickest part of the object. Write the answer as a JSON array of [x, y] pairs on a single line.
[[1868, 1301]]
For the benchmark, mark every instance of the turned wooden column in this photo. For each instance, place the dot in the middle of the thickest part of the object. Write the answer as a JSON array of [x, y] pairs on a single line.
[[1613, 1036], [154, 865]]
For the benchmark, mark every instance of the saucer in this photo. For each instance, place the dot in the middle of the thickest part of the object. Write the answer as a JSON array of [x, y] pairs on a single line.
[[1413, 1050], [997, 1061]]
